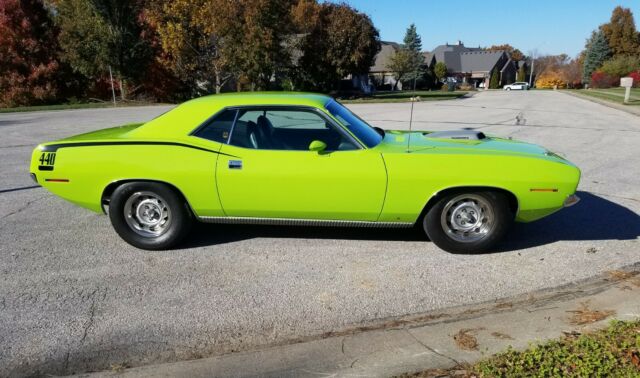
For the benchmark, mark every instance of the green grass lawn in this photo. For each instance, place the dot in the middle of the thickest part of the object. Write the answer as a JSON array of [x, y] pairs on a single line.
[[611, 352], [611, 94], [89, 105], [404, 96]]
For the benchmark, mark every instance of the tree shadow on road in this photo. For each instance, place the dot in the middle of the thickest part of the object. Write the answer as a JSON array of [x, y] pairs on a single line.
[[593, 218]]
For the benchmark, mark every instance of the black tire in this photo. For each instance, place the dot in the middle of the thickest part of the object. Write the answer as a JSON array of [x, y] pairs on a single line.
[[163, 202], [483, 238]]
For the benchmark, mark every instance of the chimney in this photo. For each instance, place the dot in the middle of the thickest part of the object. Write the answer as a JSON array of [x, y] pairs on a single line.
[[460, 43]]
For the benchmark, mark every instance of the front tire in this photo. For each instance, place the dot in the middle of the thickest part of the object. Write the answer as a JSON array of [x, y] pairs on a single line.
[[472, 222], [149, 215]]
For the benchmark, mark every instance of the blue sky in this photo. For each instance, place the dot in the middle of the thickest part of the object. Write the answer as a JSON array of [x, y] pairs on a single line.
[[550, 26]]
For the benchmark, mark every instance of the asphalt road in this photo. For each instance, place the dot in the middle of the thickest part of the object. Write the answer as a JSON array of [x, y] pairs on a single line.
[[74, 297]]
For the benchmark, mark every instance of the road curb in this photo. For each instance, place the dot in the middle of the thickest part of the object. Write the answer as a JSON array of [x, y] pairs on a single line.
[[624, 108], [414, 343]]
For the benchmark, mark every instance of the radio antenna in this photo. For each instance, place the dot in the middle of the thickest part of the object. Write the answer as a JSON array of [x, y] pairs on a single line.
[[413, 99]]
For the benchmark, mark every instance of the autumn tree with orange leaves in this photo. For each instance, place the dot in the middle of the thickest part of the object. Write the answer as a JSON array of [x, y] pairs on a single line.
[[28, 53]]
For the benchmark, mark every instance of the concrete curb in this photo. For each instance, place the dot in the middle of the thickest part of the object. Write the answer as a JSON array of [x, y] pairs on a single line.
[[625, 108], [416, 343]]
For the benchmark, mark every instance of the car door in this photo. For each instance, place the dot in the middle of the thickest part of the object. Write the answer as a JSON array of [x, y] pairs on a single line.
[[266, 170]]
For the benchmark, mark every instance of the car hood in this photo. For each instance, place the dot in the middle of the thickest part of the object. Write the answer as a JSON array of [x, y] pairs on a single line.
[[420, 142]]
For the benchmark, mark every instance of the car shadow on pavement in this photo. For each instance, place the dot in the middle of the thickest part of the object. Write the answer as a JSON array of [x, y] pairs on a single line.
[[212, 234], [593, 218]]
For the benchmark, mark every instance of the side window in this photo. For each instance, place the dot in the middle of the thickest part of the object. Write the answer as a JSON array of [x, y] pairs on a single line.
[[218, 128], [287, 129]]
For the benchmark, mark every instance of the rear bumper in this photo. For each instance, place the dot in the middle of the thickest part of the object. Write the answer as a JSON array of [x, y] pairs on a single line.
[[571, 200]]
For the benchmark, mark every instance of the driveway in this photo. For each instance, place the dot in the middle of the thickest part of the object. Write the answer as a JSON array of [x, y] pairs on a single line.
[[74, 297]]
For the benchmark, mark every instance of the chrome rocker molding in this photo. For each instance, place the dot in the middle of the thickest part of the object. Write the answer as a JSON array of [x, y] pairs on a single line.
[[304, 222]]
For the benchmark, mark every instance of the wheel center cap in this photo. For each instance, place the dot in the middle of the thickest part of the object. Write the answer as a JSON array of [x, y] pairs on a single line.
[[149, 212], [465, 216]]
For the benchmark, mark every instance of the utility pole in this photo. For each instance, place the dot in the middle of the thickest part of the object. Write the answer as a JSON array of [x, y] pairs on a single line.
[[113, 91], [415, 76], [533, 62]]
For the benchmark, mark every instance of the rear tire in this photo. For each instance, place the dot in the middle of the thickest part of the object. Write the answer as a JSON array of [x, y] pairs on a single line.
[[149, 215], [472, 222]]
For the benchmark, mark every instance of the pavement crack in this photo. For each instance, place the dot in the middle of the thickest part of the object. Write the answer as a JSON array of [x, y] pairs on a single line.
[[615, 196], [23, 208], [343, 339], [19, 189], [541, 309], [89, 323], [18, 145], [66, 360], [431, 349]]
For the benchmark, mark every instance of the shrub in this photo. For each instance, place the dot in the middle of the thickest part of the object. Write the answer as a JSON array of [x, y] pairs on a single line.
[[469, 87], [621, 65], [600, 79], [636, 78], [575, 85], [550, 80], [494, 81]]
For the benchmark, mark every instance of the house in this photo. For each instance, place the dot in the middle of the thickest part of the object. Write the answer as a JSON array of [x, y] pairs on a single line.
[[473, 65], [447, 53], [379, 74]]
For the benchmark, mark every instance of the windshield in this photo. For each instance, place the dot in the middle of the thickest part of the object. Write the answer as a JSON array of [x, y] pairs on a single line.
[[358, 127]]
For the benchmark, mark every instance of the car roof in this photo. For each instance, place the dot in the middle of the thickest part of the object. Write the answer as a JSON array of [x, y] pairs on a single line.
[[264, 98], [184, 118]]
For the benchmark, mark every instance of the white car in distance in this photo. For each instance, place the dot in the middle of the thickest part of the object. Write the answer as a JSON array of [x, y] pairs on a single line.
[[519, 85]]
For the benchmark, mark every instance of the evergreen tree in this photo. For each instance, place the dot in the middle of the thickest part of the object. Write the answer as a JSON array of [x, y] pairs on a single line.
[[412, 40], [597, 52], [413, 45], [621, 34], [494, 82]]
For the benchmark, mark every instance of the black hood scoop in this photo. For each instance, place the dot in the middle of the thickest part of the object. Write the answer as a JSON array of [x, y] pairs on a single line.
[[457, 134]]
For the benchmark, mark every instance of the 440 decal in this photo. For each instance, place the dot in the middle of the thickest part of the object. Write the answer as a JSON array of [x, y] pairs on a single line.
[[47, 161]]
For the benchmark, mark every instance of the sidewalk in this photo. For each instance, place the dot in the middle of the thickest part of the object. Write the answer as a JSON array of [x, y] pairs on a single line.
[[435, 340]]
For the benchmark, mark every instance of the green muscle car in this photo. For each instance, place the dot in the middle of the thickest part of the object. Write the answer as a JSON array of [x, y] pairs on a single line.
[[302, 159]]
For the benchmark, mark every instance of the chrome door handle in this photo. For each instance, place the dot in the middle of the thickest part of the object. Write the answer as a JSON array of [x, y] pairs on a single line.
[[235, 164]]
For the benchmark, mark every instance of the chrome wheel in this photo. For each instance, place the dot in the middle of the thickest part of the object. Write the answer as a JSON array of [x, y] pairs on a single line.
[[147, 214], [467, 218]]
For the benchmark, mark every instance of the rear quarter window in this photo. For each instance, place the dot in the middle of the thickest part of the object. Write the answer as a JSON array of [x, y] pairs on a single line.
[[218, 128]]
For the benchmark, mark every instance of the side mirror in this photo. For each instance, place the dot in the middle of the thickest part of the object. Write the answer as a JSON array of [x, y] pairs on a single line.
[[317, 146]]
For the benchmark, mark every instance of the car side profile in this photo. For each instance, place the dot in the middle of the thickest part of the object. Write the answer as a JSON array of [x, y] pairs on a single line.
[[302, 159], [519, 86]]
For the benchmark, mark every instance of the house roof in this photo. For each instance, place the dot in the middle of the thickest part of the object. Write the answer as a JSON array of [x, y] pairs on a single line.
[[450, 54], [387, 50], [428, 57], [482, 60]]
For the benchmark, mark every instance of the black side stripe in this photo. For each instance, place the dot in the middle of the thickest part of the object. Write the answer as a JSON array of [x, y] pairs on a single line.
[[55, 147]]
